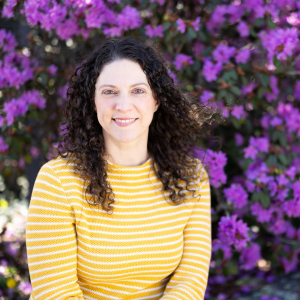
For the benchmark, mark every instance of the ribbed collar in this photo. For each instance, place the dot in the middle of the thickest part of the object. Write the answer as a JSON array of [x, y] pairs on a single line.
[[145, 167]]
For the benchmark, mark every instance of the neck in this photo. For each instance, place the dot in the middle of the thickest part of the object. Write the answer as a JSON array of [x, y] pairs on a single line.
[[126, 154]]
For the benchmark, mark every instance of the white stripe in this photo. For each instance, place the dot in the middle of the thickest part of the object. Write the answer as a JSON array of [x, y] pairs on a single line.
[[127, 255], [133, 261]]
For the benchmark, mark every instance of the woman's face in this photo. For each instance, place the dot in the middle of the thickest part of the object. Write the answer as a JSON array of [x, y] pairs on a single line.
[[123, 94]]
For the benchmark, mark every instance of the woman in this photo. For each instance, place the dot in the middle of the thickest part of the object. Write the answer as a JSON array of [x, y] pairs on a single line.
[[130, 135]]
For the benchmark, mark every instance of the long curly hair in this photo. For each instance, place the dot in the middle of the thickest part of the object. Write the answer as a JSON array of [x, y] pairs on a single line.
[[174, 132]]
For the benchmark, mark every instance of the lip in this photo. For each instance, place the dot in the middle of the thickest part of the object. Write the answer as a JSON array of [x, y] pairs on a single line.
[[123, 124]]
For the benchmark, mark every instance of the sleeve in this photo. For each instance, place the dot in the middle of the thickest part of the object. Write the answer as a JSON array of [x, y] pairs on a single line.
[[189, 280], [51, 240]]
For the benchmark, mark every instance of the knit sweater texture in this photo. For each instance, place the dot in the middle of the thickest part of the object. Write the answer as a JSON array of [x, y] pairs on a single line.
[[149, 248]]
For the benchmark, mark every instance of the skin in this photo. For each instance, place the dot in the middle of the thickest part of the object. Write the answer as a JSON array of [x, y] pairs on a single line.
[[125, 146]]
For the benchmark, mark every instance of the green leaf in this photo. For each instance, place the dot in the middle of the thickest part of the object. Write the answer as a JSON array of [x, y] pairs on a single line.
[[202, 36], [245, 164], [231, 268], [258, 22], [236, 123], [252, 33], [191, 34], [278, 64], [270, 23], [207, 51], [274, 135], [260, 92], [282, 139], [244, 80], [255, 197], [221, 94], [167, 25], [265, 200], [196, 66], [271, 160], [235, 90], [283, 159], [264, 79]]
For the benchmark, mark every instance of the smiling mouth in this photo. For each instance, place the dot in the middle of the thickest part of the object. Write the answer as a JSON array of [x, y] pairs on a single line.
[[125, 120]]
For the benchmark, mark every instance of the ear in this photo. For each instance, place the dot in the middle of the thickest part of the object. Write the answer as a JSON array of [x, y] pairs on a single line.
[[157, 104]]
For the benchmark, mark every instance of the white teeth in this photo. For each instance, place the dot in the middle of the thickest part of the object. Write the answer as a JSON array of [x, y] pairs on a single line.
[[124, 121]]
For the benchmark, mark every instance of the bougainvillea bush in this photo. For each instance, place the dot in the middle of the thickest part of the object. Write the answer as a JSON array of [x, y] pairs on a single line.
[[242, 56]]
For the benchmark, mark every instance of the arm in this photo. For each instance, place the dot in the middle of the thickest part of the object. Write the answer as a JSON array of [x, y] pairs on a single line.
[[189, 280], [51, 240]]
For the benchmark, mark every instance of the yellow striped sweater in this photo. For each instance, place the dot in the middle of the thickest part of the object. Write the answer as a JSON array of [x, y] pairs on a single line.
[[148, 248]]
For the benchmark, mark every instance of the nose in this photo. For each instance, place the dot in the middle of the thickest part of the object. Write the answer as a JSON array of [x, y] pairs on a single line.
[[124, 103]]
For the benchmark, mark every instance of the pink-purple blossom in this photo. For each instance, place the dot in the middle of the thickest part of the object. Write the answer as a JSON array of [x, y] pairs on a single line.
[[3, 145], [243, 29], [223, 53], [157, 31], [211, 70], [243, 56], [239, 112], [182, 60], [233, 232], [236, 194], [250, 256], [181, 25]]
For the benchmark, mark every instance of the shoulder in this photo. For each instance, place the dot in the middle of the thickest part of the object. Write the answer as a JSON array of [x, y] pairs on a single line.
[[58, 166]]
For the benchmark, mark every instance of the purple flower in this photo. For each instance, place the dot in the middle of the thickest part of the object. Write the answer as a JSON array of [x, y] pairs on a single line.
[[262, 144], [52, 69], [273, 188], [249, 88], [157, 31], [233, 232], [237, 195], [7, 11], [66, 29], [7, 41], [276, 121], [210, 70], [216, 162], [262, 214], [243, 29], [129, 18], [181, 25], [3, 145], [243, 56], [206, 96], [196, 24], [250, 256], [239, 139], [223, 53], [291, 172], [25, 287], [280, 42], [182, 60], [250, 186], [239, 112], [297, 90], [250, 152]]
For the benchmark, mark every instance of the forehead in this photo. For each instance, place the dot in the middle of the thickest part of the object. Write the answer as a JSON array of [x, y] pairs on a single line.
[[121, 71]]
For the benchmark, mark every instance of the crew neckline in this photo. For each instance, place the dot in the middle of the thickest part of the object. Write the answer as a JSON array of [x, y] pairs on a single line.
[[146, 163]]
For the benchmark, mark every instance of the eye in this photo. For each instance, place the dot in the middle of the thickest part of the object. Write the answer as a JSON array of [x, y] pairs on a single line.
[[104, 92], [139, 90]]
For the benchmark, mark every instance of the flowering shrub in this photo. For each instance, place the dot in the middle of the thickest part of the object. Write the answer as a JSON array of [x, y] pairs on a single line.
[[244, 55]]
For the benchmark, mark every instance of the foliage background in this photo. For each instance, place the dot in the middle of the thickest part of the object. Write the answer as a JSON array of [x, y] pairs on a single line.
[[241, 56]]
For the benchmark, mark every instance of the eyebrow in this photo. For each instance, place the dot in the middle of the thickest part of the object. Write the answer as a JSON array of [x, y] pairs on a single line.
[[110, 85]]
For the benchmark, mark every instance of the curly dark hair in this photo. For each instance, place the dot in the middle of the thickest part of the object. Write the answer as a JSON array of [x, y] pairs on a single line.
[[174, 132]]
